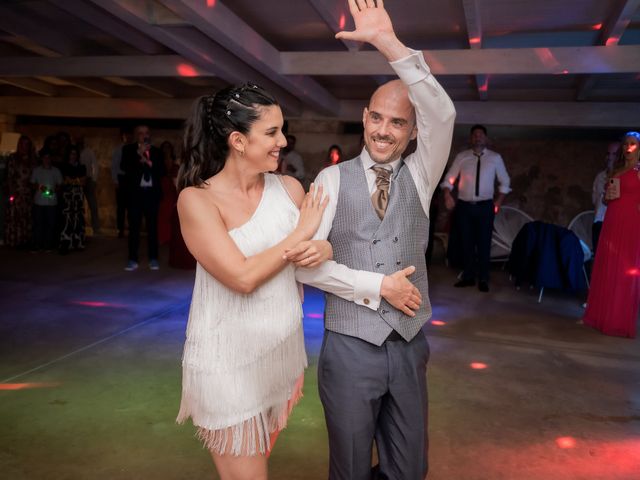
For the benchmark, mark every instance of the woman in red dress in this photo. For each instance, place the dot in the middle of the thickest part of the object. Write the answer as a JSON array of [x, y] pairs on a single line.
[[614, 296]]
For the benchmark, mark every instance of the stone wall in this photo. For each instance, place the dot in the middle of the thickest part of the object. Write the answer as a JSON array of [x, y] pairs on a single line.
[[552, 170]]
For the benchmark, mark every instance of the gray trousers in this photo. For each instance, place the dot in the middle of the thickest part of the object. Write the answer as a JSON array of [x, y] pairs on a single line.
[[370, 392]]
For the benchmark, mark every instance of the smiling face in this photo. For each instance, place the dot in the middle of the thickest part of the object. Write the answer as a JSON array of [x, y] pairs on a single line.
[[389, 122], [263, 142]]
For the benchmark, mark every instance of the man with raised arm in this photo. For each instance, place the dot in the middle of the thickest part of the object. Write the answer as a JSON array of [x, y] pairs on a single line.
[[372, 367]]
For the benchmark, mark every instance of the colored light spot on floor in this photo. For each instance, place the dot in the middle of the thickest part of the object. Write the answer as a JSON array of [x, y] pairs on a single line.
[[27, 386], [96, 304], [478, 365], [566, 442], [314, 315], [438, 323]]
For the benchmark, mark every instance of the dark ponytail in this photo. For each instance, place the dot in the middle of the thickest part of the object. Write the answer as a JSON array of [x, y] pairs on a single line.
[[213, 118]]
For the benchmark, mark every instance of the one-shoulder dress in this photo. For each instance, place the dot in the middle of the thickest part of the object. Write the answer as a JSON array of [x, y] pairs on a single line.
[[244, 354]]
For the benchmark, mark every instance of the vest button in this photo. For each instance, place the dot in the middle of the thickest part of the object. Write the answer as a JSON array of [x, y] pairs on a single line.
[[398, 262], [384, 312], [395, 239], [375, 241], [378, 265]]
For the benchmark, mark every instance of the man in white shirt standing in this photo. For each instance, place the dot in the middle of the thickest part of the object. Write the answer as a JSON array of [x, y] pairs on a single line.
[[476, 170], [597, 193], [372, 366]]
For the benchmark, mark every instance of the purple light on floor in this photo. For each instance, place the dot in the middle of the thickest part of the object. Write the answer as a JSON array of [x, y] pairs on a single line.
[[96, 304], [314, 315]]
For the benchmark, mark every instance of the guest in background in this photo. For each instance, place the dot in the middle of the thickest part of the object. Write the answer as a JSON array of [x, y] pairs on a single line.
[[334, 156], [476, 171], [52, 146], [74, 176], [19, 194], [614, 295], [118, 178], [292, 163], [90, 161], [143, 167], [46, 179], [169, 192], [597, 193]]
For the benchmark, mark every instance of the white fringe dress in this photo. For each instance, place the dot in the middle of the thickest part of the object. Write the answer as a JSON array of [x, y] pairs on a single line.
[[244, 355]]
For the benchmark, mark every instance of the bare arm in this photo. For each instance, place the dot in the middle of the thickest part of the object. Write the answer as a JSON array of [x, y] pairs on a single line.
[[435, 113], [200, 221]]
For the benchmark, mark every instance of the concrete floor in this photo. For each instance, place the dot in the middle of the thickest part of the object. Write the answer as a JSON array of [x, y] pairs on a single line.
[[91, 390]]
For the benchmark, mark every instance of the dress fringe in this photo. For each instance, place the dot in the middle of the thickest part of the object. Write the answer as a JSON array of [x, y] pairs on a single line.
[[253, 436]]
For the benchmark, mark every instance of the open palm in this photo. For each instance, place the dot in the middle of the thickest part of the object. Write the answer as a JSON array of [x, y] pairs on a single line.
[[371, 20]]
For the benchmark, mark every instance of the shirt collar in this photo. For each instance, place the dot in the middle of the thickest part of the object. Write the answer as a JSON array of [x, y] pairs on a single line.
[[367, 161]]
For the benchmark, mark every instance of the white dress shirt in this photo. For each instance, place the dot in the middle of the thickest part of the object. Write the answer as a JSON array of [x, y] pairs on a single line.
[[465, 165], [435, 116], [597, 194]]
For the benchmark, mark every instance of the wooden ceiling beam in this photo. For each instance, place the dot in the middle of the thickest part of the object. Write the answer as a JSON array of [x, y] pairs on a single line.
[[474, 34]]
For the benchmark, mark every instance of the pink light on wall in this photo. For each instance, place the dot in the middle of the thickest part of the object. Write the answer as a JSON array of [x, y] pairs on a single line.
[[633, 272], [211, 3], [547, 58], [612, 41], [186, 70], [597, 26], [438, 323], [474, 40], [342, 22]]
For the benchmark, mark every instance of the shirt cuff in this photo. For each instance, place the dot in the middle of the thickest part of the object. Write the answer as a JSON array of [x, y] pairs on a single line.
[[366, 289], [411, 69], [504, 190]]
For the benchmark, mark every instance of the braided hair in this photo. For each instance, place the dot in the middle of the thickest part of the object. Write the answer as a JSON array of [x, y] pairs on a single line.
[[213, 118]]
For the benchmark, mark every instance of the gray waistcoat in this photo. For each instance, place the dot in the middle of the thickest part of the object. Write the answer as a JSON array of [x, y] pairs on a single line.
[[362, 241]]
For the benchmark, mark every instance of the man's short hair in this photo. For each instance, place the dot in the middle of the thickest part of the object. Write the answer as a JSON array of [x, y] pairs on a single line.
[[477, 126]]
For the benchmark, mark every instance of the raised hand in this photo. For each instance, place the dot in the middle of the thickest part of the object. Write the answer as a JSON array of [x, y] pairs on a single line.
[[371, 21]]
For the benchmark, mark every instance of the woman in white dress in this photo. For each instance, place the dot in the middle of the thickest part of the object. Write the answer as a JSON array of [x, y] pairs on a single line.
[[244, 354]]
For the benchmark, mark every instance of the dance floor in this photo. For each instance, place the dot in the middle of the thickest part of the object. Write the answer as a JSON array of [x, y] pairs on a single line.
[[90, 380]]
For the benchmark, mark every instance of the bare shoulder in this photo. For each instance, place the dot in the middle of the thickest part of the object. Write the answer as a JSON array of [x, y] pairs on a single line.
[[193, 200], [294, 187]]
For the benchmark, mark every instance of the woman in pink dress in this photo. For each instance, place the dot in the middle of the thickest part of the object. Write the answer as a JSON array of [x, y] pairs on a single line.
[[614, 296]]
